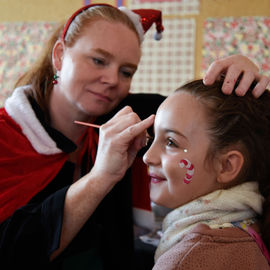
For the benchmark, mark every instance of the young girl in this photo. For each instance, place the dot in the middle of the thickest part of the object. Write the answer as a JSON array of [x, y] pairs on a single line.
[[209, 162]]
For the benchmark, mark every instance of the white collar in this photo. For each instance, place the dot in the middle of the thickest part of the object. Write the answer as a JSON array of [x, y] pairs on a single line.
[[19, 108]]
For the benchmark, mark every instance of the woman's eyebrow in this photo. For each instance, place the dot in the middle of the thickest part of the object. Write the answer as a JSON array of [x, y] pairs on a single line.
[[103, 52], [110, 56]]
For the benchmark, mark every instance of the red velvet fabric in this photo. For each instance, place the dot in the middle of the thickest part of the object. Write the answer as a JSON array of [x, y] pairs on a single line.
[[23, 171], [140, 185]]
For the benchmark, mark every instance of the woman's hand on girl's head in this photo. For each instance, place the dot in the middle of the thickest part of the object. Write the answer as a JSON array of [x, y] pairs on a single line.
[[235, 66], [119, 142]]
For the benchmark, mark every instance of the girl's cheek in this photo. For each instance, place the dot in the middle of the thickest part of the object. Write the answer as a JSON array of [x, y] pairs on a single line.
[[172, 169]]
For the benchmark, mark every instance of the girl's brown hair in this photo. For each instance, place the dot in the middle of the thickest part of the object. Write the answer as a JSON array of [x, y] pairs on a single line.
[[242, 122], [40, 76]]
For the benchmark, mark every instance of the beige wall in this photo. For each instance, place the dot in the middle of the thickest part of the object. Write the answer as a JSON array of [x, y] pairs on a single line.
[[36, 10], [225, 8], [55, 10]]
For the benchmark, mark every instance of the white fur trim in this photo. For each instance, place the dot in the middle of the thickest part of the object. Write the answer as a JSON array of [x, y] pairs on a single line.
[[158, 36], [19, 108], [136, 19]]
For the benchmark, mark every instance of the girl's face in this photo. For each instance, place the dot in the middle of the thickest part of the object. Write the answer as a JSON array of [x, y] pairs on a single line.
[[95, 74], [180, 133]]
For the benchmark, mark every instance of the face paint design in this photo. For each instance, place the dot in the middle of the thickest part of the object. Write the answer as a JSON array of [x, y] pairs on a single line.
[[190, 169]]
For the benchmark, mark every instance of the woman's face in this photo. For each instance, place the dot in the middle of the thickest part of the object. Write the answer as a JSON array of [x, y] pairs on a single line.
[[95, 74], [180, 133]]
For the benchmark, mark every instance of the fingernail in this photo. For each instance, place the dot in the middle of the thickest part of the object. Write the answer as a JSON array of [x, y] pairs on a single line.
[[205, 80], [240, 93]]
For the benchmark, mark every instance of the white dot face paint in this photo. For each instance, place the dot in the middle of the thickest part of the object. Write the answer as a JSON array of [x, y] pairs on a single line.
[[185, 163], [185, 150]]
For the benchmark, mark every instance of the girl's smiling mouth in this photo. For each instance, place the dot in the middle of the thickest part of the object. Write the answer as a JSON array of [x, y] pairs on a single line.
[[156, 179]]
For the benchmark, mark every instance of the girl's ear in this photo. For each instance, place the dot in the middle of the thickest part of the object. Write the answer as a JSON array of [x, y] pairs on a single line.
[[57, 54], [229, 166]]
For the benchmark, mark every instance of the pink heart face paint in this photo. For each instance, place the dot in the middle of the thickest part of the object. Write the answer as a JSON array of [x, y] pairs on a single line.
[[185, 163]]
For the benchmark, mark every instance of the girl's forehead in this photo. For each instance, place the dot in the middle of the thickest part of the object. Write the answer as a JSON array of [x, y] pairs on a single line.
[[182, 115], [181, 102], [182, 110]]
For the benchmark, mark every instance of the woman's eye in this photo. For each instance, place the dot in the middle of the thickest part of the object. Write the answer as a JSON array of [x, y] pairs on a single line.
[[127, 73], [98, 61]]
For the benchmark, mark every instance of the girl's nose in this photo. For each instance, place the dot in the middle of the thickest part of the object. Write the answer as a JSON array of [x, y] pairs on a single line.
[[152, 156], [146, 159]]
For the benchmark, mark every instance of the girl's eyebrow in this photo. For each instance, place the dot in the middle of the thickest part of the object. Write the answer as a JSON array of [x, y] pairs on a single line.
[[176, 132], [110, 56]]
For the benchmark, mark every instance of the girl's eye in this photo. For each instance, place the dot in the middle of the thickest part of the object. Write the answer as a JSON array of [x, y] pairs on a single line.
[[170, 142]]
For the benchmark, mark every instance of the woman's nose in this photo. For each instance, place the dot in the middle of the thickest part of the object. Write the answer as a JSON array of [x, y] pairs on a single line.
[[111, 76]]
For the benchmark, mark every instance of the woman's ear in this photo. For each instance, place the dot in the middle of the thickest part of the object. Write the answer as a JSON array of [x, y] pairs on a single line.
[[57, 54], [229, 166]]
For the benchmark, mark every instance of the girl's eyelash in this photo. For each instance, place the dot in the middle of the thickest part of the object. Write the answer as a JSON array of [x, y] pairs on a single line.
[[170, 142]]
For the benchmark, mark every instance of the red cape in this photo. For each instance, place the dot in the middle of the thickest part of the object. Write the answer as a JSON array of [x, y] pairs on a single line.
[[32, 172]]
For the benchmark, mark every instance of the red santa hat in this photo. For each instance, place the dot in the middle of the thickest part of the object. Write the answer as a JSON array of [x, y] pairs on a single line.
[[141, 18]]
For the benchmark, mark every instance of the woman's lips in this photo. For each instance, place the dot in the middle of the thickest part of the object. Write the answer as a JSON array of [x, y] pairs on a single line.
[[100, 96], [156, 179]]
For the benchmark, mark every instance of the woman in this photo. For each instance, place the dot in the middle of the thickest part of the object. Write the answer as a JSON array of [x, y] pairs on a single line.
[[59, 206], [209, 163]]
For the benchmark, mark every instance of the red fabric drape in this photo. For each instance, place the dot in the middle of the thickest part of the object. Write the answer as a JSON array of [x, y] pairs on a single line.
[[140, 185], [23, 171]]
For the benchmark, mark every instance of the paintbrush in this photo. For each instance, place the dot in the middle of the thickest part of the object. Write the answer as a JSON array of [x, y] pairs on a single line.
[[87, 124]]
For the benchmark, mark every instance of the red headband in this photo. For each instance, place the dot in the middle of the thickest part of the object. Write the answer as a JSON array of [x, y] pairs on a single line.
[[146, 18], [75, 14]]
